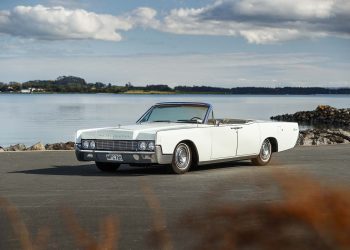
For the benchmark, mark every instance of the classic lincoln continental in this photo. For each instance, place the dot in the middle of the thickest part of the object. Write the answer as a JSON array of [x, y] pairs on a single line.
[[184, 135]]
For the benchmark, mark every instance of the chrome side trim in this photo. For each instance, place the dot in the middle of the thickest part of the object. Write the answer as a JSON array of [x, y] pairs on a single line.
[[117, 152], [248, 157]]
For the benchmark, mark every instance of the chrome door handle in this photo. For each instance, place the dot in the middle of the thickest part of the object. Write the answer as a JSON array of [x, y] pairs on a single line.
[[236, 128]]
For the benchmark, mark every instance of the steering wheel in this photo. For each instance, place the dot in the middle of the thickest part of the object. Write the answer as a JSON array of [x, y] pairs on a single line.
[[195, 118]]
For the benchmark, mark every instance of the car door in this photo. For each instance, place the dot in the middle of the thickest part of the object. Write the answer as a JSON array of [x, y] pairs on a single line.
[[223, 142], [248, 136]]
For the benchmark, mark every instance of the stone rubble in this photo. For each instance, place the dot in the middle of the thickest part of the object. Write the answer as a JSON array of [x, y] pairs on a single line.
[[316, 137], [40, 147], [60, 146]]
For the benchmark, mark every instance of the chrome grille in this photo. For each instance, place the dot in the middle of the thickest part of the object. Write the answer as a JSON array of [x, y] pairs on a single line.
[[111, 145]]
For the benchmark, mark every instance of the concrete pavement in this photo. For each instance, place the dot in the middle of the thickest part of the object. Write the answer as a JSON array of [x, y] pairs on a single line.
[[40, 184]]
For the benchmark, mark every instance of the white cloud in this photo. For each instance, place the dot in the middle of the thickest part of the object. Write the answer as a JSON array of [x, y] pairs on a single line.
[[258, 21], [269, 35], [55, 23], [263, 21], [144, 17], [296, 9]]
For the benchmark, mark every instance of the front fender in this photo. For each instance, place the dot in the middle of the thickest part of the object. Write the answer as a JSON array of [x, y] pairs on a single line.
[[200, 137]]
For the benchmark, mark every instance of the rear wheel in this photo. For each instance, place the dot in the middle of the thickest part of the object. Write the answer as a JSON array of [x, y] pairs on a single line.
[[107, 166], [265, 154], [182, 158]]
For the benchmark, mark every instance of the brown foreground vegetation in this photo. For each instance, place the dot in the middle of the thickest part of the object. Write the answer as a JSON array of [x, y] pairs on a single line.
[[308, 216]]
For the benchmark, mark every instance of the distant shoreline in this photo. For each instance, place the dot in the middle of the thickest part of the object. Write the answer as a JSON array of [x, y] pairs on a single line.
[[73, 84]]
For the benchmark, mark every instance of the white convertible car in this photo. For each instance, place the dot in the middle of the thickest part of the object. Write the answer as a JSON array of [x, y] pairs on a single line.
[[184, 135]]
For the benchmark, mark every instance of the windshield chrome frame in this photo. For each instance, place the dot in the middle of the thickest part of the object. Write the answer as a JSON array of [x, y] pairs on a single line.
[[206, 117]]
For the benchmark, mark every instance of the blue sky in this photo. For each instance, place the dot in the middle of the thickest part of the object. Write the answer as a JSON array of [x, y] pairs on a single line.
[[220, 43]]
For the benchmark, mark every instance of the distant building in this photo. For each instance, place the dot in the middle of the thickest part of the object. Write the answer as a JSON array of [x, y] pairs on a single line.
[[37, 90], [31, 90], [26, 91]]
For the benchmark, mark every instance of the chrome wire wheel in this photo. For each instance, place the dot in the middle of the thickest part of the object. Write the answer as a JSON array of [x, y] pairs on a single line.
[[182, 158], [265, 152]]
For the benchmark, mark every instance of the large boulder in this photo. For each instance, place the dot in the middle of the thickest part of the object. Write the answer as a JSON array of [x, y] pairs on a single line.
[[54, 146], [37, 147], [336, 139], [69, 145], [2, 149], [60, 146], [17, 147], [324, 108]]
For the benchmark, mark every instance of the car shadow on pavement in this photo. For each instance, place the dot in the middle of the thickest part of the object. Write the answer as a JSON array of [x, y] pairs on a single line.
[[125, 170], [224, 165], [91, 170]]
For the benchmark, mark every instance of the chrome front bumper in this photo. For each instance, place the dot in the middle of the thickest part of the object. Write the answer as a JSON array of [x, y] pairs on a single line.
[[156, 157]]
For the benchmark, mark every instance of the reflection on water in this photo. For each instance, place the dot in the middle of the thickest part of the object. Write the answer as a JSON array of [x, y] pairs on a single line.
[[305, 126], [53, 117], [69, 108]]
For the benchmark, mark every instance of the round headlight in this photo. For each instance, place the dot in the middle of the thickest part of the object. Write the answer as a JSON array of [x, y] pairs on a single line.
[[142, 145], [92, 145], [86, 144], [151, 146]]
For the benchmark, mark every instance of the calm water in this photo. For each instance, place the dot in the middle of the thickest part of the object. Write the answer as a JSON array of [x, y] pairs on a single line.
[[53, 118]]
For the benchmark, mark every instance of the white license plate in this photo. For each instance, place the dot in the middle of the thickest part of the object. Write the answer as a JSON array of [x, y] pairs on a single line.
[[114, 157]]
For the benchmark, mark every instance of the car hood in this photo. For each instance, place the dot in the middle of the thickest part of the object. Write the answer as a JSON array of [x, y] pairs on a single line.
[[145, 131]]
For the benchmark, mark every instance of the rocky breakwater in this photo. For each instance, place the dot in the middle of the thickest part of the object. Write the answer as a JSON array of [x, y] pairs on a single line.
[[335, 125], [323, 115], [40, 147]]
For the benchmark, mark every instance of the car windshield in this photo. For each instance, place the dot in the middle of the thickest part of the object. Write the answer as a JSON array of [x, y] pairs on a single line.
[[176, 113]]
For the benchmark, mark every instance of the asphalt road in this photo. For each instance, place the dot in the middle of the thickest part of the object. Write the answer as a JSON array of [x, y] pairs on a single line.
[[41, 184]]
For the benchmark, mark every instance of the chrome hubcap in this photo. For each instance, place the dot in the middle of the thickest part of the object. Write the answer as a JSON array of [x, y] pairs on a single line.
[[182, 156], [265, 152]]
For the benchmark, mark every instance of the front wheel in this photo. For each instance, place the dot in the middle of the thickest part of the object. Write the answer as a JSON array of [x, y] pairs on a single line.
[[265, 154], [182, 158], [107, 166]]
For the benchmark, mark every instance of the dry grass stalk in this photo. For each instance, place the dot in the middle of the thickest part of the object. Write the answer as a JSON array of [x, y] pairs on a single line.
[[326, 210], [160, 236], [109, 229], [21, 230], [310, 217]]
